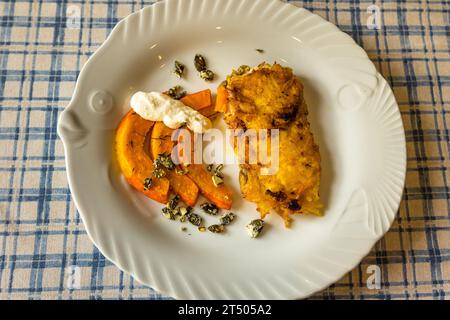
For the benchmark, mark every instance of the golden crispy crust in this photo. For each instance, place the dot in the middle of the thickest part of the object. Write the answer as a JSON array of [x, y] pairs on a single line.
[[271, 92], [271, 97]]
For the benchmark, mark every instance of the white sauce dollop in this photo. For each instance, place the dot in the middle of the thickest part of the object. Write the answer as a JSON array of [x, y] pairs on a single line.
[[156, 106]]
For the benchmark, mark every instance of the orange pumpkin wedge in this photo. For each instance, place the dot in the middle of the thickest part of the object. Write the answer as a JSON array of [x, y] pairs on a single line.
[[221, 99], [221, 195], [198, 100], [161, 143], [133, 159], [208, 112]]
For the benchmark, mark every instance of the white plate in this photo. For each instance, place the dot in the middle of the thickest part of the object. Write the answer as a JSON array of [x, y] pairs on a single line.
[[353, 113]]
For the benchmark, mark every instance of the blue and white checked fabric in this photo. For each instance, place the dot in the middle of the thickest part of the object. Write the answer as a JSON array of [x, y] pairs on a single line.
[[44, 250]]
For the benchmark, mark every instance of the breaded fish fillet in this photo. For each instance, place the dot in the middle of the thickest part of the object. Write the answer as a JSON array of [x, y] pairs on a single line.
[[271, 97]]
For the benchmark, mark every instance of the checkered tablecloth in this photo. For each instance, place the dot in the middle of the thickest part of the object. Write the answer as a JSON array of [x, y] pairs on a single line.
[[44, 250]]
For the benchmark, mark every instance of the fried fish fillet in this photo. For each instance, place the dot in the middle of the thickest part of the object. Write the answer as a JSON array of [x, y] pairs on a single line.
[[271, 97]]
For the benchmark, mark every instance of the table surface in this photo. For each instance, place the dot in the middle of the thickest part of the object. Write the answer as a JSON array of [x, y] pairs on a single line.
[[45, 252]]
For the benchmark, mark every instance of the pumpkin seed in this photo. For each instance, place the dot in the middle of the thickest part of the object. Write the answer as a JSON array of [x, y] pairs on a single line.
[[218, 170], [159, 172], [242, 69], [199, 63], [227, 218], [183, 211], [195, 219], [217, 180], [255, 227], [179, 69], [207, 75], [176, 92], [216, 228], [181, 172], [164, 160], [168, 213], [173, 202], [147, 183], [210, 208]]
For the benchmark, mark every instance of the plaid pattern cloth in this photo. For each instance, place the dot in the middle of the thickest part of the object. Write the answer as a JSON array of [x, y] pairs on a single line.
[[44, 250]]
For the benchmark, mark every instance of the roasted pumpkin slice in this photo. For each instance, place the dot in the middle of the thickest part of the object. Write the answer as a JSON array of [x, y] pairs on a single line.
[[182, 185], [134, 161], [208, 112], [196, 173], [221, 99], [221, 195], [198, 100]]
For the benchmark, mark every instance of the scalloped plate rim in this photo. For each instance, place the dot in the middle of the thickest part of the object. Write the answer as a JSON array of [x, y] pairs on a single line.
[[90, 228]]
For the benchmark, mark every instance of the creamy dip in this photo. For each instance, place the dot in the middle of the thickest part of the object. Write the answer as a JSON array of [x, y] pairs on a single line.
[[156, 106]]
